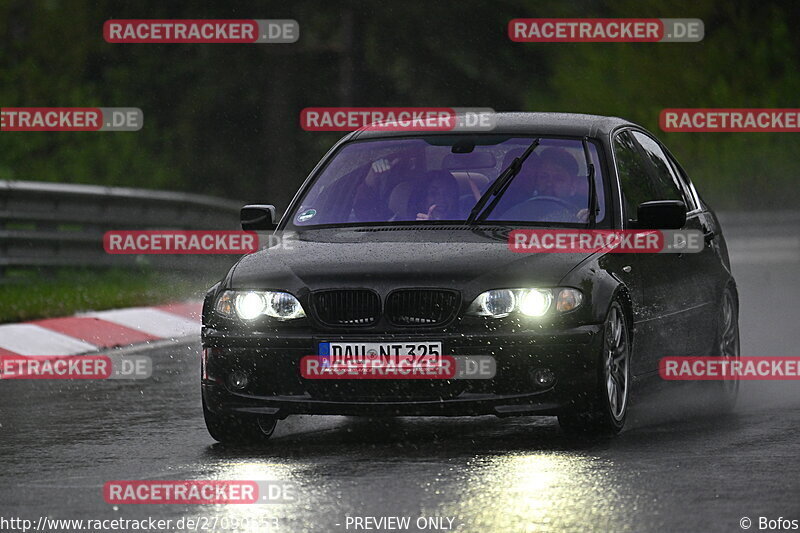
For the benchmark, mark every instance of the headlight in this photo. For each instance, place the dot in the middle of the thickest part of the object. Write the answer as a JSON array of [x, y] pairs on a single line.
[[249, 305], [535, 302], [499, 303], [496, 304]]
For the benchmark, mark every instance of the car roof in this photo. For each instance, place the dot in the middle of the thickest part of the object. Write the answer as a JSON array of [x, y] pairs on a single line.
[[569, 124]]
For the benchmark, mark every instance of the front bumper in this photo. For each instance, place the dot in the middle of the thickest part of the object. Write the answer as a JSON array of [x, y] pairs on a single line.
[[275, 387]]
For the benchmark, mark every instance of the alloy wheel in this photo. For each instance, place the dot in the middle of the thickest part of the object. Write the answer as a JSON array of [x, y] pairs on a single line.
[[616, 351]]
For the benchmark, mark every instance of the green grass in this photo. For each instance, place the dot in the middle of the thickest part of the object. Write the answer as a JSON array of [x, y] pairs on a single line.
[[33, 295]]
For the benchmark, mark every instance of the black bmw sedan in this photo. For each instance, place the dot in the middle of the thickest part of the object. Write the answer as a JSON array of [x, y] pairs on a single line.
[[396, 249]]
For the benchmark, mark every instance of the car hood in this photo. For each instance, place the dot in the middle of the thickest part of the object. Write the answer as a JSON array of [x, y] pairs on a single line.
[[461, 259]]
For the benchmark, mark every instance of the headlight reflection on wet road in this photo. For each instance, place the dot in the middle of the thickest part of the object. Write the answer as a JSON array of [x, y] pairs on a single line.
[[535, 492]]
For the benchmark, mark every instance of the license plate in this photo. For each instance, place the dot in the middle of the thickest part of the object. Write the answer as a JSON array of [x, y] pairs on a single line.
[[383, 352]]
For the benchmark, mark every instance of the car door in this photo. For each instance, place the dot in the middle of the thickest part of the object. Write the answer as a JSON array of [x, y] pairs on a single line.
[[694, 285], [671, 287], [709, 265]]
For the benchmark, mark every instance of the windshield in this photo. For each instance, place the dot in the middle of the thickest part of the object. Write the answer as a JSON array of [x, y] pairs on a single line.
[[441, 178]]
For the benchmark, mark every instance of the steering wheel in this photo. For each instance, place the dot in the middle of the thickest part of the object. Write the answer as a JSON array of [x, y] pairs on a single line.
[[522, 210], [552, 199]]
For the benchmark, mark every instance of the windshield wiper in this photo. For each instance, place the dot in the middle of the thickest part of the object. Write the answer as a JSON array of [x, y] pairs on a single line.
[[594, 208], [500, 185]]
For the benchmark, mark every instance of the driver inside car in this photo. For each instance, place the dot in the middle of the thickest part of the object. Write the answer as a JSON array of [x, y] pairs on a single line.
[[559, 196]]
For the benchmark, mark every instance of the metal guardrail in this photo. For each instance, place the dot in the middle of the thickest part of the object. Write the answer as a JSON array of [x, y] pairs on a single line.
[[50, 225]]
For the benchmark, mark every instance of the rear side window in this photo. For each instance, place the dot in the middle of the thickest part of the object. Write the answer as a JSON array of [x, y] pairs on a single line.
[[644, 173], [686, 184], [667, 181]]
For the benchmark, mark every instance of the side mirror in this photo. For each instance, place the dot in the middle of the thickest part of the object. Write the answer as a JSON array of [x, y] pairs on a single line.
[[661, 214], [258, 217]]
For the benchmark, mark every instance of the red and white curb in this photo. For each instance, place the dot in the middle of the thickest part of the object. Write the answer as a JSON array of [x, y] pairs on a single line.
[[99, 330]]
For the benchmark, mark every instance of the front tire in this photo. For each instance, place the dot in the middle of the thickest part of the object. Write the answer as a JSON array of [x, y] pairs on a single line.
[[238, 429], [608, 406]]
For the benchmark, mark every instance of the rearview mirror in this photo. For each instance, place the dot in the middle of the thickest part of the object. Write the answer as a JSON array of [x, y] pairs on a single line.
[[661, 214], [258, 217]]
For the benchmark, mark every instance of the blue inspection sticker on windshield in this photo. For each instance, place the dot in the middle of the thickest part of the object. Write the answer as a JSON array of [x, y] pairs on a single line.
[[308, 214]]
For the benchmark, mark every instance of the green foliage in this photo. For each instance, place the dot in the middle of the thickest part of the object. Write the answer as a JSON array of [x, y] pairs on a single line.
[[224, 119], [70, 291], [747, 59]]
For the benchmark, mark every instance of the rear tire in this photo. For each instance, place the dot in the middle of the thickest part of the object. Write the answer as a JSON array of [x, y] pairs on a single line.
[[608, 407], [239, 428], [727, 347]]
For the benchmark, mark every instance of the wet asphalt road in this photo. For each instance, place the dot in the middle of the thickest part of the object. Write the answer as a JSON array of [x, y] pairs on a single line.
[[675, 467]]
